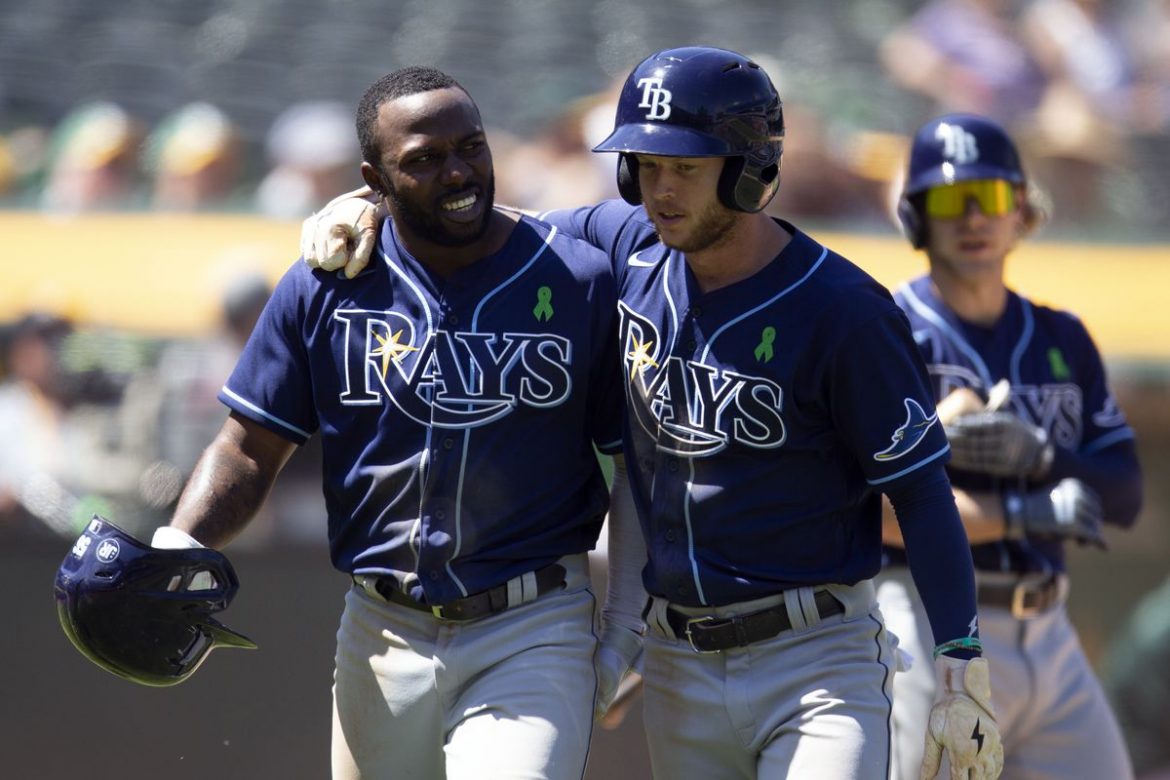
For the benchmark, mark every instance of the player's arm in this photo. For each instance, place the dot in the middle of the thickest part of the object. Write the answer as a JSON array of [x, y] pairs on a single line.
[[962, 720], [621, 615], [230, 482], [981, 513]]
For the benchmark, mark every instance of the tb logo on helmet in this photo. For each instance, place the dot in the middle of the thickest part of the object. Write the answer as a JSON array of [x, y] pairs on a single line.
[[958, 145], [655, 98]]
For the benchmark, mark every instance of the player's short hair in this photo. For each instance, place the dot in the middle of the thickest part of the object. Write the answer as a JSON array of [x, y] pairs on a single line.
[[410, 80]]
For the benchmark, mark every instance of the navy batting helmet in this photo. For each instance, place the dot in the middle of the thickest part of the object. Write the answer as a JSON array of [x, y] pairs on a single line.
[[952, 148], [144, 614], [702, 102]]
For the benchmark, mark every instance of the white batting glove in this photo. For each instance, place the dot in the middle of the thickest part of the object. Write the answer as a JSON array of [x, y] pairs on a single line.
[[618, 649], [962, 723], [167, 537], [342, 234]]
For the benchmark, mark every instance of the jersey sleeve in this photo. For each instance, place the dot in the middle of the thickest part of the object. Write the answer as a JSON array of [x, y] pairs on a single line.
[[613, 226], [271, 383], [1104, 423], [881, 402]]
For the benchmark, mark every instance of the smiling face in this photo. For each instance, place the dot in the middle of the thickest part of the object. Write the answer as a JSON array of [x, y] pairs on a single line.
[[435, 167], [680, 197]]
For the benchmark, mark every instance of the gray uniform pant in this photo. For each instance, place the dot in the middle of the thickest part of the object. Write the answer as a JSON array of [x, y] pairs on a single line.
[[814, 701], [505, 697], [1053, 716]]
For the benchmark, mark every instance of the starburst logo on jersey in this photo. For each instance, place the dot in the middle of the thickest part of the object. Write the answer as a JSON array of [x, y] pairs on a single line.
[[691, 407], [910, 433], [448, 379], [391, 349], [655, 98]]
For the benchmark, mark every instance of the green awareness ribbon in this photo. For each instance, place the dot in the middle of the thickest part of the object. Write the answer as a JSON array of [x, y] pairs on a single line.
[[764, 349], [543, 304]]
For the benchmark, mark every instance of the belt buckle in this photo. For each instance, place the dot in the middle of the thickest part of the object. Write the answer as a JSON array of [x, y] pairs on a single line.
[[691, 622], [1020, 608], [437, 611]]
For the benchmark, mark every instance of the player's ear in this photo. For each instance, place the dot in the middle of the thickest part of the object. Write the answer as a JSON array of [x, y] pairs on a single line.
[[374, 179]]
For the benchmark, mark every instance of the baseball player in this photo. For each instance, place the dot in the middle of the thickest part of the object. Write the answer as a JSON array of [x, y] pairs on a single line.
[[774, 392], [459, 390], [1041, 455]]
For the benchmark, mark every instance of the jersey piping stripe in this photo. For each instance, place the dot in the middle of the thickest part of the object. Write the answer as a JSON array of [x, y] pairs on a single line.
[[413, 288], [271, 418], [1022, 344], [423, 466], [670, 301], [908, 469], [691, 534], [467, 432], [1109, 439], [927, 313], [765, 304]]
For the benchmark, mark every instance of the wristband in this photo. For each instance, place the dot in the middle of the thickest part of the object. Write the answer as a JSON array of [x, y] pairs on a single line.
[[965, 643]]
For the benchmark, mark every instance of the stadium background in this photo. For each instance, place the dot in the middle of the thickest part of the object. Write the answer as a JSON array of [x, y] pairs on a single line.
[[138, 279]]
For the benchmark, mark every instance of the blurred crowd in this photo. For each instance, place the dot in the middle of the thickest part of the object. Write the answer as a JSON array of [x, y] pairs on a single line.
[[1084, 84]]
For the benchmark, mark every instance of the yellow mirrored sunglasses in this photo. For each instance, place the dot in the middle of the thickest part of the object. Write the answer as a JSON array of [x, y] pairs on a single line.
[[995, 197]]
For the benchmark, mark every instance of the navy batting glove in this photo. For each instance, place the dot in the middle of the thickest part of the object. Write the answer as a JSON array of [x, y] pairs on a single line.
[[1070, 510]]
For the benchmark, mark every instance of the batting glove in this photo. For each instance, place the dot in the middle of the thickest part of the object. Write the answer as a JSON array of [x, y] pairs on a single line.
[[341, 235], [999, 444], [167, 537], [616, 653], [1071, 510], [962, 723]]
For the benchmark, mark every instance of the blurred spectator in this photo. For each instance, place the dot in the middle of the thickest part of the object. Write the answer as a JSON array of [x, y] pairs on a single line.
[[1136, 675], [32, 414], [1148, 34], [93, 160], [313, 155], [557, 168], [196, 158], [1078, 132], [965, 55], [171, 413]]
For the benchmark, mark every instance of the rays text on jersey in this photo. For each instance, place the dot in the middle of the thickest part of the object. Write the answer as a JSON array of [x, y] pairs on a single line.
[[452, 379], [690, 407]]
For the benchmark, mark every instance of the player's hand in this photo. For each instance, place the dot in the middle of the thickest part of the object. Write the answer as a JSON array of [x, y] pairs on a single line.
[[962, 723], [999, 444], [1070, 510], [342, 234], [616, 653]]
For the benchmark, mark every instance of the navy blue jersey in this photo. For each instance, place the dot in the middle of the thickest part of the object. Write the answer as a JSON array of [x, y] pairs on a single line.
[[1058, 383], [764, 418], [458, 417]]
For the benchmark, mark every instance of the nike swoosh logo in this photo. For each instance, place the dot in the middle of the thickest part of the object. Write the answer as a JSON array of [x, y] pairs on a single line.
[[637, 262]]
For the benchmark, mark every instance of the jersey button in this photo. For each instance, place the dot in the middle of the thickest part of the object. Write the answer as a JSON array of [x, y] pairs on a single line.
[[696, 311], [452, 319], [433, 574], [689, 346], [440, 514], [671, 535], [448, 443], [672, 464]]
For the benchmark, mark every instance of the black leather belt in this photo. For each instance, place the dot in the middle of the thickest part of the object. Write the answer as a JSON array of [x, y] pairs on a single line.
[[487, 602], [1024, 598], [709, 634]]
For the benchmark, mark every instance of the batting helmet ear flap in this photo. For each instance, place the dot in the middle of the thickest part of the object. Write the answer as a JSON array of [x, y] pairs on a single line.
[[749, 191], [913, 226], [627, 179]]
